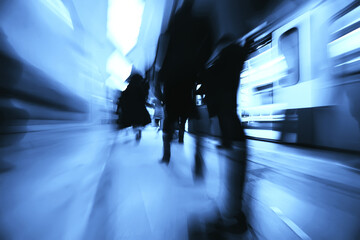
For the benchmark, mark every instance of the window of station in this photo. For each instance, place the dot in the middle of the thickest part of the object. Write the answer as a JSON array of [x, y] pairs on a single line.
[[289, 48]]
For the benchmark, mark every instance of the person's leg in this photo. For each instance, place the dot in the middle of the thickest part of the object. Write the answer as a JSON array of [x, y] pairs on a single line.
[[231, 128], [168, 131], [161, 124], [225, 128], [157, 123], [199, 161], [238, 133], [234, 161], [138, 134], [137, 131], [235, 171], [182, 121]]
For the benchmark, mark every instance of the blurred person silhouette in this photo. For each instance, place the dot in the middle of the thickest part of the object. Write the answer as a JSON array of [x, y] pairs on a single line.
[[181, 124], [189, 47], [158, 113], [132, 105], [13, 120], [220, 83], [220, 86]]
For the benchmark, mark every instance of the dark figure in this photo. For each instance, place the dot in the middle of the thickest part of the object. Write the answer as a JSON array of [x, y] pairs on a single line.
[[158, 114], [188, 49], [182, 122], [132, 105], [220, 85]]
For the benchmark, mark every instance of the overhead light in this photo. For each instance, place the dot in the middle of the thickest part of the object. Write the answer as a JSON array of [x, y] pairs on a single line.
[[124, 21]]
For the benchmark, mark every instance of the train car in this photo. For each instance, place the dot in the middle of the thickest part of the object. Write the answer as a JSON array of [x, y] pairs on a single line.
[[301, 83]]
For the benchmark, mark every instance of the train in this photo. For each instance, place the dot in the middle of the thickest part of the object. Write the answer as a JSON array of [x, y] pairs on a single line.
[[301, 82]]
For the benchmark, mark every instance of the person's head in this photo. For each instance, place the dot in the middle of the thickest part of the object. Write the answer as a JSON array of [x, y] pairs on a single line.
[[133, 78], [136, 77]]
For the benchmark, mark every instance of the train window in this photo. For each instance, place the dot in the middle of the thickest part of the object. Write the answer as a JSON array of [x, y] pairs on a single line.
[[343, 47], [289, 48]]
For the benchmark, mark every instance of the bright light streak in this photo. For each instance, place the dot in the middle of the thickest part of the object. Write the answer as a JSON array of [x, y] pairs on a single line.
[[57, 7], [267, 134], [124, 21], [267, 72], [261, 55], [272, 62], [118, 66], [346, 43], [355, 21], [265, 118]]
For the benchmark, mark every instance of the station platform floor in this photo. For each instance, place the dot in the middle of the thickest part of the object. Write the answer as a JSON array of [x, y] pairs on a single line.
[[98, 183]]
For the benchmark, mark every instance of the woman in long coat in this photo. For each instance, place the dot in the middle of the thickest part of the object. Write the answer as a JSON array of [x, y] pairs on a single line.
[[132, 105]]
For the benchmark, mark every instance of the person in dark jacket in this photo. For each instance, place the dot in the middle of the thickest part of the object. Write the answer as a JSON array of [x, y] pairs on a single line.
[[189, 46], [132, 105], [220, 85]]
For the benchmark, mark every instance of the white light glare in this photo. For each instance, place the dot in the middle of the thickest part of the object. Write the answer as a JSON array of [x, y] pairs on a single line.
[[118, 66], [124, 21]]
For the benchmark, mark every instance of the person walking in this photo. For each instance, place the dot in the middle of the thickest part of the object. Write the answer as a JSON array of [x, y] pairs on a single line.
[[220, 85], [189, 46], [132, 104]]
